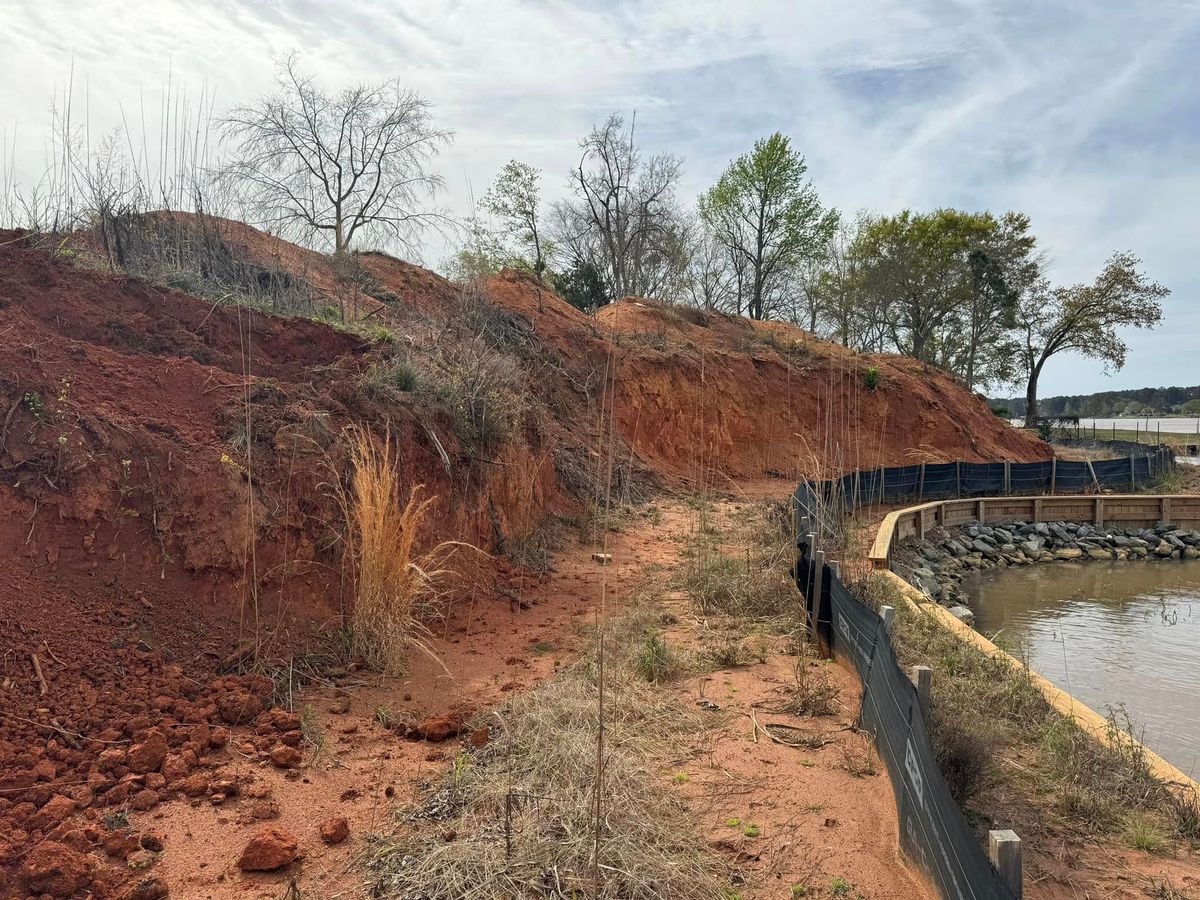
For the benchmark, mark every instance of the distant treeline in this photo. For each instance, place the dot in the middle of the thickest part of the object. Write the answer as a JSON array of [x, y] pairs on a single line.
[[1157, 401]]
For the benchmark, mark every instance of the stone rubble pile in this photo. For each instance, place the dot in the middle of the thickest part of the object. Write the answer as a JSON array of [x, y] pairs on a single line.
[[937, 564]]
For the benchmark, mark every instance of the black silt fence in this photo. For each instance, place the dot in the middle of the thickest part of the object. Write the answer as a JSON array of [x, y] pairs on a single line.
[[933, 831], [823, 502]]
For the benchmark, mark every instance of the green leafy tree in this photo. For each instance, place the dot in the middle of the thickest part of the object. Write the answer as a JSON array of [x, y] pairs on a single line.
[[768, 216], [914, 276], [1191, 408], [1000, 267], [514, 199], [1084, 319], [583, 287]]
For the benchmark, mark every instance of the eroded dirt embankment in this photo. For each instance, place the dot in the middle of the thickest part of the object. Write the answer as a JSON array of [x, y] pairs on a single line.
[[167, 466]]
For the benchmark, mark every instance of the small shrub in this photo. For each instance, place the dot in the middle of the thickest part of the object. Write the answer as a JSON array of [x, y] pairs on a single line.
[[385, 717], [964, 748], [812, 693], [656, 662], [33, 402], [533, 550], [725, 655], [752, 831], [384, 379], [858, 758], [871, 378], [1143, 835]]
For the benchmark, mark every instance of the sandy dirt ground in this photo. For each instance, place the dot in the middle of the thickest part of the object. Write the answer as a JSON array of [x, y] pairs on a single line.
[[817, 821]]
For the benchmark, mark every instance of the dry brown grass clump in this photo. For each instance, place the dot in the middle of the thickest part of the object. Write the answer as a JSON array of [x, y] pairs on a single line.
[[522, 808], [984, 714], [741, 572], [812, 693], [397, 586]]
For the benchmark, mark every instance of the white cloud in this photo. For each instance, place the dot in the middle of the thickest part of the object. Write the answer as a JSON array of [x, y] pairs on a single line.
[[1078, 114]]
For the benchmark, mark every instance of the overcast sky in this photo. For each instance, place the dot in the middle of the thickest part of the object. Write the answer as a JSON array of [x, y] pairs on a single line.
[[1082, 114]]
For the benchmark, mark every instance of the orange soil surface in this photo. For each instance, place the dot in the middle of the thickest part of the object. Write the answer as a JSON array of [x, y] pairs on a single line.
[[141, 550]]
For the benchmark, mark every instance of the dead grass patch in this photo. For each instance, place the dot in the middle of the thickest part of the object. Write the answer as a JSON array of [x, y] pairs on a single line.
[[521, 812], [397, 585], [741, 571]]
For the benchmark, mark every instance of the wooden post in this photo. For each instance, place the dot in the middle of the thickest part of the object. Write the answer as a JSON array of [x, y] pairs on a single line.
[[1053, 473], [979, 511], [921, 484], [1165, 511], [1132, 472], [812, 554], [1007, 477], [1098, 513], [881, 480], [922, 677], [888, 614], [958, 478], [1004, 850], [1037, 509], [836, 568], [819, 559]]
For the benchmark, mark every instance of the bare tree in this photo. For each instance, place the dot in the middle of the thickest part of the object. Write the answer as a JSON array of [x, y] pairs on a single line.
[[317, 164], [710, 276], [624, 220]]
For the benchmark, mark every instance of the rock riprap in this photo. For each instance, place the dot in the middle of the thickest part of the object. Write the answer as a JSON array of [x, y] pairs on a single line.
[[938, 563]]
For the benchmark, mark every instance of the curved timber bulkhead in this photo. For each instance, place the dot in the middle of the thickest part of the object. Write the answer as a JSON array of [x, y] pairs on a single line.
[[1131, 510]]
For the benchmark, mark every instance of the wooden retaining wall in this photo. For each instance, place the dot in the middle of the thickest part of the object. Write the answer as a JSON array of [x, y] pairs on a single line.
[[1132, 510], [1125, 510]]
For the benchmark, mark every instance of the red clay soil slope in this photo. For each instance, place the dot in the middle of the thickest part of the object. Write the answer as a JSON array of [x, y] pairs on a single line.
[[166, 465], [701, 391], [695, 391]]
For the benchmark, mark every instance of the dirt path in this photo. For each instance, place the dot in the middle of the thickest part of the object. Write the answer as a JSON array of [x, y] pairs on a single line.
[[817, 821], [793, 821], [354, 766]]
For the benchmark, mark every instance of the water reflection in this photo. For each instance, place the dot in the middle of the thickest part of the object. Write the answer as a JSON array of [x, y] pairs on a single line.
[[1109, 633]]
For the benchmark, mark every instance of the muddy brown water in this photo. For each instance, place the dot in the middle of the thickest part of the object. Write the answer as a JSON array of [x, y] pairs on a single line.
[[1111, 634]]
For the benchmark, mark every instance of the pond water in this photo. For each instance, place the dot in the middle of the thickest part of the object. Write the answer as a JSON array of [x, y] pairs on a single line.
[[1121, 633]]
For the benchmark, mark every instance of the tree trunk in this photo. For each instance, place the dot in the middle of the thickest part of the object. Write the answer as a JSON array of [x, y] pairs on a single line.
[[1031, 401]]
